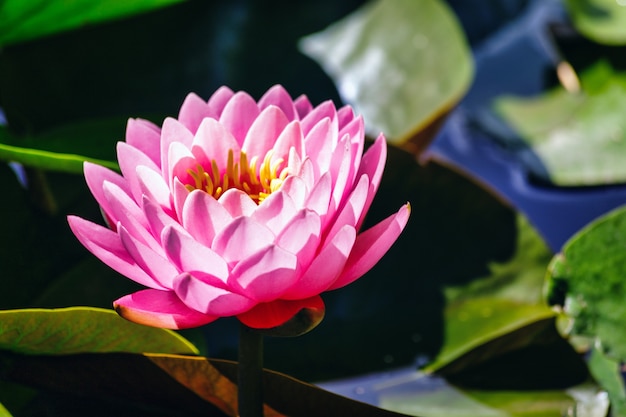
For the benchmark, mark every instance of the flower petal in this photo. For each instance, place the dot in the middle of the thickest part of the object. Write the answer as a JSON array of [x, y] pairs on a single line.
[[212, 142], [218, 101], [153, 263], [303, 106], [279, 97], [107, 246], [173, 132], [326, 110], [242, 238], [277, 313], [154, 187], [209, 299], [203, 217], [237, 203], [238, 115], [160, 309], [96, 176], [129, 159], [301, 236], [264, 131], [265, 275], [371, 245], [351, 212], [275, 211], [326, 266], [145, 136], [372, 165], [190, 256]]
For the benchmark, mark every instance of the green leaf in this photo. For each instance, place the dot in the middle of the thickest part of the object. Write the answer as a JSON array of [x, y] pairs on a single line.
[[4, 412], [82, 329], [608, 374], [402, 65], [191, 385], [587, 280], [578, 138], [501, 321], [603, 21], [60, 149], [23, 20]]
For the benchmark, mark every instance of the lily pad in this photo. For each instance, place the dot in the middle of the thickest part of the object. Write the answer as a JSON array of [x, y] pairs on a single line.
[[24, 20], [579, 139], [501, 321], [403, 65], [604, 21], [82, 329], [587, 280]]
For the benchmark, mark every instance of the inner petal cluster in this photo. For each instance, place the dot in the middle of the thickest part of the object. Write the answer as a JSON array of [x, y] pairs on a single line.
[[241, 174]]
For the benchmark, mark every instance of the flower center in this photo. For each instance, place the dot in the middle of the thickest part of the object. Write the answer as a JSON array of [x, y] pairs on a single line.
[[242, 175]]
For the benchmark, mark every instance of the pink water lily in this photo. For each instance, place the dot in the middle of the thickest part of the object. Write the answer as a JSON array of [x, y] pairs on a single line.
[[239, 208]]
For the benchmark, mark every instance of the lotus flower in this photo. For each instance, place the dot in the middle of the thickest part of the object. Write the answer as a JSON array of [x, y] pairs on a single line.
[[239, 208]]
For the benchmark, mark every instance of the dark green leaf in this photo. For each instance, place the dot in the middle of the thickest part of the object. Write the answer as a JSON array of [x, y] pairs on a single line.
[[192, 384], [401, 64], [578, 138], [587, 279], [604, 21], [82, 329], [27, 19]]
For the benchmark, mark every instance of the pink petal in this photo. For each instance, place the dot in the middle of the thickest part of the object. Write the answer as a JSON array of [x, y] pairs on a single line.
[[320, 143], [301, 236], [130, 215], [180, 162], [351, 212], [129, 159], [371, 245], [193, 110], [238, 115], [265, 275], [326, 110], [279, 97], [319, 196], [203, 217], [242, 238], [341, 166], [107, 246], [326, 266], [264, 131], [158, 267], [159, 309], [173, 132], [277, 313], [218, 101], [190, 256], [296, 189], [290, 138], [96, 176], [212, 143], [180, 194], [372, 165], [145, 136], [154, 187], [275, 212], [209, 299], [303, 106], [157, 218], [237, 203], [345, 115]]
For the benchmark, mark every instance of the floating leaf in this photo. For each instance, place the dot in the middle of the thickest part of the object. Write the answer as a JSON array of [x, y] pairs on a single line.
[[4, 412], [579, 139], [82, 329], [587, 280], [403, 65], [23, 20], [604, 21], [194, 385], [501, 321]]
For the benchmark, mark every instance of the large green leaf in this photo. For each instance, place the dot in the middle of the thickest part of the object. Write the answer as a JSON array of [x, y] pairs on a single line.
[[607, 371], [501, 321], [4, 412], [189, 385], [402, 64], [82, 329], [604, 21], [587, 280], [579, 138], [21, 20]]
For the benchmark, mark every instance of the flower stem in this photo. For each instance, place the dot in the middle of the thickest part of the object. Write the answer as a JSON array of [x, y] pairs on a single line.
[[250, 373]]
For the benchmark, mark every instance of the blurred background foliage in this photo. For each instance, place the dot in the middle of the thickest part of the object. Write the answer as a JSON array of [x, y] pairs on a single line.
[[473, 95]]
